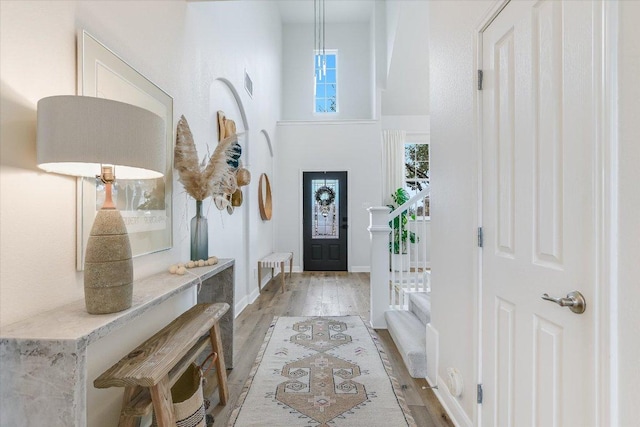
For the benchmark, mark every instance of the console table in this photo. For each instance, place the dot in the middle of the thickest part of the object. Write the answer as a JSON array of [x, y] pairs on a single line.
[[43, 360]]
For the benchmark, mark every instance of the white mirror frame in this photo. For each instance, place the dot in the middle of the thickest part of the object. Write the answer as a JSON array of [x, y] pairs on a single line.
[[103, 74]]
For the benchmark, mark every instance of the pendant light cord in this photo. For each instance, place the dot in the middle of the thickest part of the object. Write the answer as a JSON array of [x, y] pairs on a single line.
[[324, 54]]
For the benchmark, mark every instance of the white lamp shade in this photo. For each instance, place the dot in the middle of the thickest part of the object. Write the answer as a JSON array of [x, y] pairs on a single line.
[[77, 134]]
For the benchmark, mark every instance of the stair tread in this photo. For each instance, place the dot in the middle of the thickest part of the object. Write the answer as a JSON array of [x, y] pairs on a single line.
[[408, 329], [420, 305], [422, 299], [409, 335]]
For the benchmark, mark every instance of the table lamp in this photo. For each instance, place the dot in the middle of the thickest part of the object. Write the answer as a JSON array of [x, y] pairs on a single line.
[[95, 137]]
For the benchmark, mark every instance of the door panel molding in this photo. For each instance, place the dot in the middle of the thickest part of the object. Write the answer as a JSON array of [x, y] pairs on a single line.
[[547, 389], [547, 56], [505, 350], [505, 112]]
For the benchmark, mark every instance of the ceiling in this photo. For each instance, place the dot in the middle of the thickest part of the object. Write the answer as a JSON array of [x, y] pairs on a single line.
[[337, 11]]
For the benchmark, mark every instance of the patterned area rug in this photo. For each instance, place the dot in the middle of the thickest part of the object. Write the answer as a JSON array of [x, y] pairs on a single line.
[[321, 372]]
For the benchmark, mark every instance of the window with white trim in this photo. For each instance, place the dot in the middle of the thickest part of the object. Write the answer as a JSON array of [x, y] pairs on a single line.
[[416, 172], [325, 89]]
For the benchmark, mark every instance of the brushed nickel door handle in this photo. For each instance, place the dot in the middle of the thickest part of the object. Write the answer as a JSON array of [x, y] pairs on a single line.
[[574, 300]]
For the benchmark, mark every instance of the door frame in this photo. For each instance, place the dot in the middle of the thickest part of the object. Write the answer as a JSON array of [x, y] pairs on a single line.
[[301, 212], [605, 209]]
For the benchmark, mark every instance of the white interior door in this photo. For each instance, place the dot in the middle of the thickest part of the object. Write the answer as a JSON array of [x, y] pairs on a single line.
[[538, 151]]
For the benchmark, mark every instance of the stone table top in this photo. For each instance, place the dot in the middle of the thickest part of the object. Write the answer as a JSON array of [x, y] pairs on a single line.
[[71, 322]]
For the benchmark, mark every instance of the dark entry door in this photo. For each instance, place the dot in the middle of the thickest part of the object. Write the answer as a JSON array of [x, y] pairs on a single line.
[[325, 217]]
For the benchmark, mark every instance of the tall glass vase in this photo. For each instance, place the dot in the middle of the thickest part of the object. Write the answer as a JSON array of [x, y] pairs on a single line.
[[199, 235]]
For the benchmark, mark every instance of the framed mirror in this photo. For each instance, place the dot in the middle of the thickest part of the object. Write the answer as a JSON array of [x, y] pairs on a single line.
[[145, 205]]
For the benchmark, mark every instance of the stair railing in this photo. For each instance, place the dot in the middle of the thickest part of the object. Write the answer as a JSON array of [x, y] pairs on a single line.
[[399, 255]]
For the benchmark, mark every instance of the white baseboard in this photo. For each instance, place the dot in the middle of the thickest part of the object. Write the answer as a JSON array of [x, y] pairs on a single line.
[[432, 340], [352, 269], [245, 301], [241, 305], [253, 296], [451, 405], [367, 269]]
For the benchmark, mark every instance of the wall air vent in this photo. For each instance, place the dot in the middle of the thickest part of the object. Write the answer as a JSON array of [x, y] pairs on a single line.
[[248, 84]]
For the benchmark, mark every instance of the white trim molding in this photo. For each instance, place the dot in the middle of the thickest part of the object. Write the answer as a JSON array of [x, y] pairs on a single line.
[[606, 214], [433, 339], [451, 405]]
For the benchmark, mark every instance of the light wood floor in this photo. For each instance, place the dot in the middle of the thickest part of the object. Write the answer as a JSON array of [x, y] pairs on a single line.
[[319, 294]]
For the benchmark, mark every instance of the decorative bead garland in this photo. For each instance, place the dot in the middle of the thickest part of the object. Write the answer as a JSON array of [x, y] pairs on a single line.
[[181, 268]]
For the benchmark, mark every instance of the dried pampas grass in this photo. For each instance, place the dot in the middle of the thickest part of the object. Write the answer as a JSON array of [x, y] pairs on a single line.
[[201, 182]]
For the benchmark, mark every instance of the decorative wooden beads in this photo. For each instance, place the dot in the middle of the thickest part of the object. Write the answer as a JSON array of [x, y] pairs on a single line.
[[181, 268]]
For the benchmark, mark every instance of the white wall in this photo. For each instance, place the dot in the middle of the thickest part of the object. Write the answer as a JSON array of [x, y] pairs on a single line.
[[453, 189], [392, 12], [378, 44], [183, 48], [414, 124], [354, 71], [407, 88], [329, 146], [262, 241], [629, 214]]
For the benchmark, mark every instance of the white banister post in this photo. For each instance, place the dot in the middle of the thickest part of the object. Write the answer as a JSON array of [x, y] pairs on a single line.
[[379, 267]]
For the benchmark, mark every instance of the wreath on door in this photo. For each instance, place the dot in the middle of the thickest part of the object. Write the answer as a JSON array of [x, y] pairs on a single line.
[[325, 196]]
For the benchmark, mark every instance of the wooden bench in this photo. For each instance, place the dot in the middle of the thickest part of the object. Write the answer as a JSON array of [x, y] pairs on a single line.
[[149, 371], [273, 260]]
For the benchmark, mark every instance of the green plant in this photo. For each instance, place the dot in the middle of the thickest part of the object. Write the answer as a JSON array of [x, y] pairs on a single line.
[[401, 234]]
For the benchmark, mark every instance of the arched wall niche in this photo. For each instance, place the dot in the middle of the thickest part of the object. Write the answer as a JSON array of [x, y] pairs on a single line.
[[268, 140], [234, 109], [236, 229]]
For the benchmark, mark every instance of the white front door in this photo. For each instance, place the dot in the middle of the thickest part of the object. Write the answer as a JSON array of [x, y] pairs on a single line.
[[538, 185]]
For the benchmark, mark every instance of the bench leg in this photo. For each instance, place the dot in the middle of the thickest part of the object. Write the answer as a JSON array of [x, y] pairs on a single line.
[[282, 273], [162, 403], [127, 420], [290, 267], [259, 278], [221, 370]]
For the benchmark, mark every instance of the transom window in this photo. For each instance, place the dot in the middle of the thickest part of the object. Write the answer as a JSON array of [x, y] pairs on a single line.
[[416, 172], [326, 82]]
